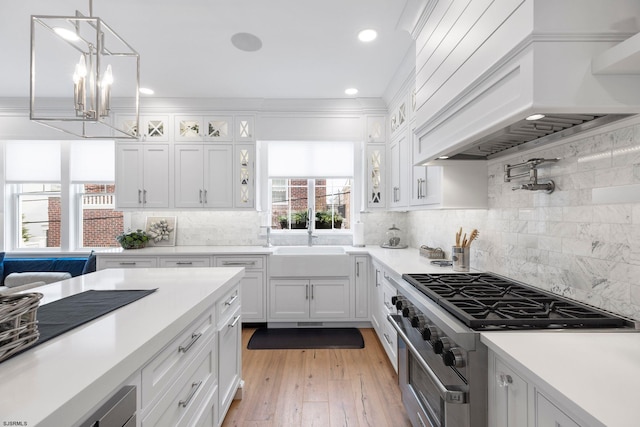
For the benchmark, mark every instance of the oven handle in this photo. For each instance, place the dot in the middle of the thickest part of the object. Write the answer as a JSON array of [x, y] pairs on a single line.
[[449, 396]]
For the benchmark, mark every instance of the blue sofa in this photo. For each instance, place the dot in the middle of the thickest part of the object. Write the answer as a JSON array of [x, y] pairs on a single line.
[[74, 266]]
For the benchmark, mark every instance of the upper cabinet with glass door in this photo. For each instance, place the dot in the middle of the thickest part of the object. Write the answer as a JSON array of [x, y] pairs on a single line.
[[152, 128], [203, 128], [244, 129]]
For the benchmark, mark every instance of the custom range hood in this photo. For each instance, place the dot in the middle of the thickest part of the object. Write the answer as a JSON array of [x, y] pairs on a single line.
[[511, 61], [529, 133]]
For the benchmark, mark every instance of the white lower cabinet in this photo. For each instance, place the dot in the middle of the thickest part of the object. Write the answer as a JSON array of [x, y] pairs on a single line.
[[361, 286], [253, 284], [230, 362], [178, 405], [186, 261], [126, 262], [193, 379], [517, 401], [381, 293], [300, 299]]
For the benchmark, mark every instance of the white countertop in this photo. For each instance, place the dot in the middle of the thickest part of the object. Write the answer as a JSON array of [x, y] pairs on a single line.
[[593, 374], [56, 383], [188, 250]]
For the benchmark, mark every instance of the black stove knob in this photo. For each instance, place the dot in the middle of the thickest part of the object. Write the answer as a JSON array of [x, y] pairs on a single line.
[[429, 333], [453, 357], [399, 304], [408, 312], [441, 345], [394, 299], [417, 321]]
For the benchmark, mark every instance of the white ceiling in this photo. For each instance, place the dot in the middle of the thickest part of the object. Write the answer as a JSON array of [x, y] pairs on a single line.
[[310, 47]]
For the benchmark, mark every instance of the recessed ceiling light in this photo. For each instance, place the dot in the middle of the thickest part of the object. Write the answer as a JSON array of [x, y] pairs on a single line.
[[367, 35], [351, 91], [535, 117], [443, 157], [146, 91], [246, 42], [66, 34]]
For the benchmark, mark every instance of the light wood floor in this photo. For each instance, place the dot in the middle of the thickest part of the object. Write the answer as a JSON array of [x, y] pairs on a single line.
[[318, 388]]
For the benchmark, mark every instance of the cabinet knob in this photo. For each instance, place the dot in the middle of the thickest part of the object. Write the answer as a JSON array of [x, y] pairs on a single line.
[[504, 380]]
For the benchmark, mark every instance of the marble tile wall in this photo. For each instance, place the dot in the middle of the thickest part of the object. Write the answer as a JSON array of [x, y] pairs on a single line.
[[568, 242]]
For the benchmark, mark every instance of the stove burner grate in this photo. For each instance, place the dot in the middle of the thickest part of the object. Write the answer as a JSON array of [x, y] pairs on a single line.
[[484, 301]]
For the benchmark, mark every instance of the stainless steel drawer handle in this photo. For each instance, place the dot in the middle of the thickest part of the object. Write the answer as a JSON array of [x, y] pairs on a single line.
[[127, 263], [194, 387], [231, 300], [386, 337], [184, 263], [239, 263], [235, 322], [194, 337]]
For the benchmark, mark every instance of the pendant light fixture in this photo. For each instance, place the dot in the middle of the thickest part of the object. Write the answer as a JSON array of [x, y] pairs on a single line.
[[79, 68]]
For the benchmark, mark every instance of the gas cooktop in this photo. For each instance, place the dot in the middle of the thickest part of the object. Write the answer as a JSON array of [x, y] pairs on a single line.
[[487, 301]]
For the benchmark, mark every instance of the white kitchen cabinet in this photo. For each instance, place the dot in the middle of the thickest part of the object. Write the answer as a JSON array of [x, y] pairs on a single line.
[[244, 180], [229, 357], [184, 261], [125, 261], [303, 299], [192, 128], [142, 176], [152, 128], [244, 129], [381, 293], [398, 168], [375, 155], [252, 285], [515, 400], [203, 176], [361, 285], [376, 130], [549, 415], [509, 396]]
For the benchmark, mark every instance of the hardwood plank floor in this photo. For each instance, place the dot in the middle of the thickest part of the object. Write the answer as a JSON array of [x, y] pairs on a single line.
[[324, 388]]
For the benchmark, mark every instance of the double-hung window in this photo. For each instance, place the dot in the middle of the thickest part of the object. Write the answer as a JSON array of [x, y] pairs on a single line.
[[310, 177], [60, 195]]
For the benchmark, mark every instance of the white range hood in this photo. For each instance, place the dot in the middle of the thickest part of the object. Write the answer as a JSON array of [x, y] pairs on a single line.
[[509, 60]]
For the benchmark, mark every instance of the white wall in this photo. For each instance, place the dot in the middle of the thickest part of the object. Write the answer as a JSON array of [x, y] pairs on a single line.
[[567, 241]]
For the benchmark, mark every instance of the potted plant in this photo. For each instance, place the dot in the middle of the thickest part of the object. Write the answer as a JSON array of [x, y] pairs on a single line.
[[325, 220], [133, 239], [284, 222], [299, 219]]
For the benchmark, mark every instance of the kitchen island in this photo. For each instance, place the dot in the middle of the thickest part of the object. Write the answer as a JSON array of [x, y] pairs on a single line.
[[62, 381]]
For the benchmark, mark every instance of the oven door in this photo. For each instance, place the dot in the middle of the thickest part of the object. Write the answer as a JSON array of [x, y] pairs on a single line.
[[429, 402]]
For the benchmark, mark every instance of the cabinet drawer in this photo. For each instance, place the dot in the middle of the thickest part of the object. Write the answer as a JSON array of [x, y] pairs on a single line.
[[127, 262], [250, 263], [226, 305], [161, 370], [388, 291], [185, 261], [178, 406]]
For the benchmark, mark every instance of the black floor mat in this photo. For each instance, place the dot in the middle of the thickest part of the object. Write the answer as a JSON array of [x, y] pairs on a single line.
[[305, 338]]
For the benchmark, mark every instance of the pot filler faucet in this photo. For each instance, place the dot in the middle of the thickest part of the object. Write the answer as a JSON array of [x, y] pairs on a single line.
[[532, 172], [310, 226]]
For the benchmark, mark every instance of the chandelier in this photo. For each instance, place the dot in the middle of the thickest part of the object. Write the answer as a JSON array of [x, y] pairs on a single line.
[[80, 70]]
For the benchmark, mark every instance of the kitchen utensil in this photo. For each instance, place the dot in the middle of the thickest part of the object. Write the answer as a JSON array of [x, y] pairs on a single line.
[[442, 263]]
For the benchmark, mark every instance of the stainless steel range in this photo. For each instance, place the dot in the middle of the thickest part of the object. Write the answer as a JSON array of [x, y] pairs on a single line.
[[442, 365]]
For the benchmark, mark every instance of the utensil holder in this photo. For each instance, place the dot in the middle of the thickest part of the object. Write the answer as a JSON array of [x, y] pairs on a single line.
[[460, 258]]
